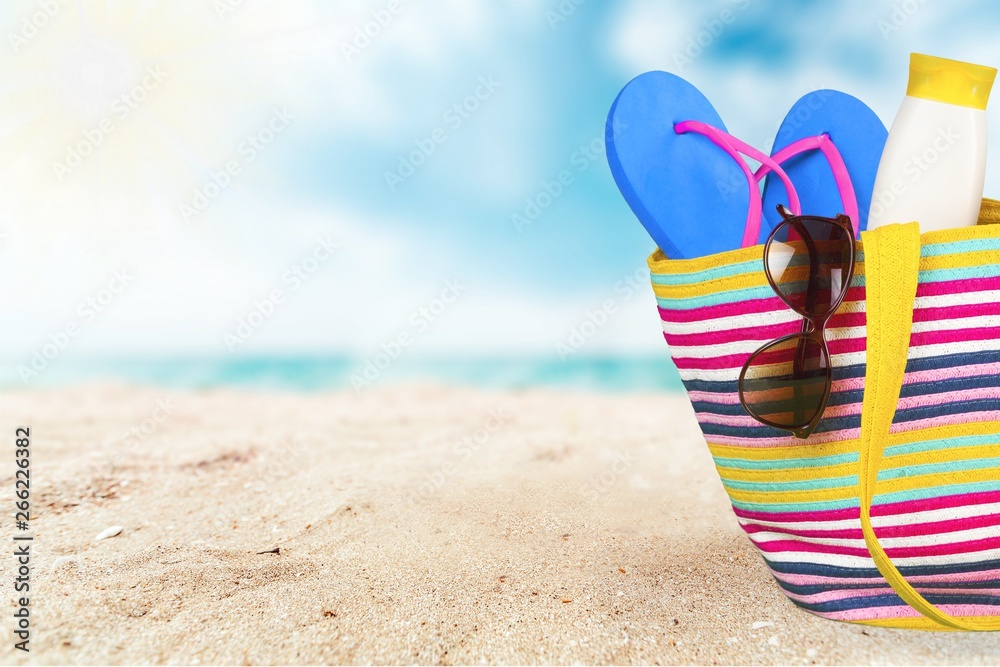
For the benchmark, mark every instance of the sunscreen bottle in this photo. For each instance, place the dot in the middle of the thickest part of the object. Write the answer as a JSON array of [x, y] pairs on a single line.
[[934, 162]]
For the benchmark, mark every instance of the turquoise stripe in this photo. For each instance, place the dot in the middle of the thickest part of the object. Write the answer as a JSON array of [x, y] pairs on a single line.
[[805, 485], [797, 507], [755, 265], [733, 296], [716, 299], [935, 492], [725, 271], [931, 468], [955, 247], [943, 275], [786, 464], [943, 443], [881, 499]]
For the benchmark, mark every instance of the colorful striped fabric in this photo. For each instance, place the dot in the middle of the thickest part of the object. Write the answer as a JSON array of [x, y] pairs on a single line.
[[936, 509]]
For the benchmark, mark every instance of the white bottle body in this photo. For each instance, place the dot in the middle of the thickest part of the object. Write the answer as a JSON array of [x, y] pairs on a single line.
[[932, 168]]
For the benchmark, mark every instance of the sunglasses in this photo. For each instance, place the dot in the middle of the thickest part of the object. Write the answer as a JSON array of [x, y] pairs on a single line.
[[809, 262]]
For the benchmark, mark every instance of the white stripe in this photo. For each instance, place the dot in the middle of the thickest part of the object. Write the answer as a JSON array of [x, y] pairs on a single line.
[[894, 520], [749, 345], [957, 323], [886, 542], [962, 299], [867, 562], [747, 322], [741, 321]]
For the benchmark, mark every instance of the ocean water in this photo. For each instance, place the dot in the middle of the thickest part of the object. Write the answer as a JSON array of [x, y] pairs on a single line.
[[307, 374]]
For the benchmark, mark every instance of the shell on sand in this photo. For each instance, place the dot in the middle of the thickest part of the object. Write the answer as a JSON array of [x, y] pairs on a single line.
[[109, 532]]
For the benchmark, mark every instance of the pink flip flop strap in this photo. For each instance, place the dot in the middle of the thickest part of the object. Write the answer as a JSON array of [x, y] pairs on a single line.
[[733, 147], [840, 175]]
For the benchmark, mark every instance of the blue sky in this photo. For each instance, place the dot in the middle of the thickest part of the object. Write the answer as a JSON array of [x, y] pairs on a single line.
[[552, 70]]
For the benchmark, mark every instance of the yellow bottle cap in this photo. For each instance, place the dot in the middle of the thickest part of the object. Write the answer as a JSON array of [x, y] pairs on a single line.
[[950, 81]]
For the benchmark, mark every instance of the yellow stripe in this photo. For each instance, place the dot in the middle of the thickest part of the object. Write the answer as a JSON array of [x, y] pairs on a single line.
[[807, 451], [942, 432], [759, 279], [796, 451], [810, 496], [788, 474], [887, 486], [658, 263]]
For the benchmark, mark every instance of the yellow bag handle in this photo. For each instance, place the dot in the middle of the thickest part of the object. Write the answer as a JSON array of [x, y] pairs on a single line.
[[892, 257]]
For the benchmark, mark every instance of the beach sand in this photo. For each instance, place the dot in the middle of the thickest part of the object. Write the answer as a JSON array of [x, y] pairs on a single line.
[[415, 524]]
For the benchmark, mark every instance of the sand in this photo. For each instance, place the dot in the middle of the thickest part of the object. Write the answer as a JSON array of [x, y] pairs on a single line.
[[414, 524]]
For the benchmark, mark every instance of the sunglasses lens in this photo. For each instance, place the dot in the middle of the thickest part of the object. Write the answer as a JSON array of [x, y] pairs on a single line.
[[785, 382], [808, 260]]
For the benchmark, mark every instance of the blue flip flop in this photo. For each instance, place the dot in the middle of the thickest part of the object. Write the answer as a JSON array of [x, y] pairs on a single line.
[[858, 136], [690, 196]]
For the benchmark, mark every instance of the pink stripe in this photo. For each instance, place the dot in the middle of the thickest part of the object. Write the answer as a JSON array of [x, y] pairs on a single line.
[[953, 577], [765, 305], [849, 409], [730, 398], [948, 397], [767, 332], [873, 613], [746, 421], [843, 346], [885, 509], [785, 440], [946, 420], [854, 294], [954, 336], [833, 411], [972, 370], [768, 304], [955, 312], [884, 532], [842, 321], [958, 286], [796, 546]]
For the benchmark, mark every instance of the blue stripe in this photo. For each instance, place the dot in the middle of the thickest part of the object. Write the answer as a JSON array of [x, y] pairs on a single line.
[[858, 370], [894, 600], [815, 589], [822, 570], [857, 395], [854, 421]]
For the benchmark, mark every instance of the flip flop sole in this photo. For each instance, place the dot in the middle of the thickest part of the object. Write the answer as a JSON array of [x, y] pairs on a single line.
[[857, 133], [690, 196]]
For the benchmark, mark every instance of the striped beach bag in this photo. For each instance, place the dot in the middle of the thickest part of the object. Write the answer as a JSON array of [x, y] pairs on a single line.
[[889, 513]]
